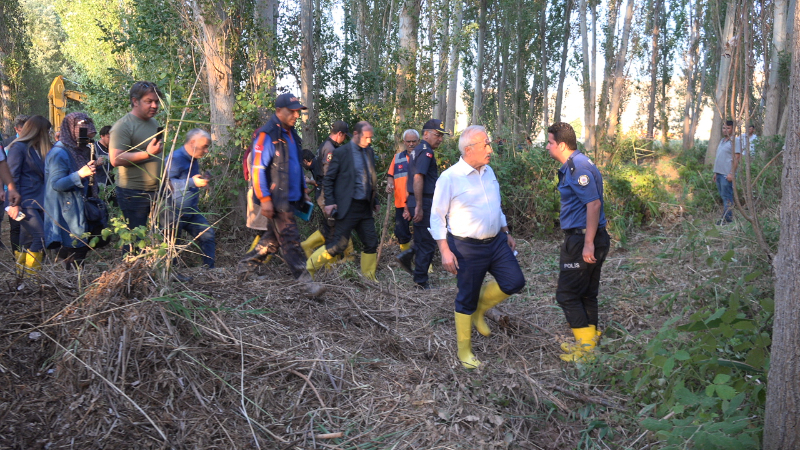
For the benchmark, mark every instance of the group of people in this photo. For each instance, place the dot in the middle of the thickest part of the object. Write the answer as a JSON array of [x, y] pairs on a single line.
[[458, 212]]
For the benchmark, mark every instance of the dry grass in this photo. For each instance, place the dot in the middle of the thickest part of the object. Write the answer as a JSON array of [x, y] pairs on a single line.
[[224, 363]]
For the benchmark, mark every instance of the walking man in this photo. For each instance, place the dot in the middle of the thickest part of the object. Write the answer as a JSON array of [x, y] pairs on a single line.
[[473, 237], [729, 153], [586, 242], [397, 182]]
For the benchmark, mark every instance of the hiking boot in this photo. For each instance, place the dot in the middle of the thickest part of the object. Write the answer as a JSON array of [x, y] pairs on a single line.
[[312, 288]]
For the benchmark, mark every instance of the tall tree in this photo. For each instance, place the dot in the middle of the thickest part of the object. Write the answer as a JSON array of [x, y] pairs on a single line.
[[477, 104], [619, 73], [651, 106], [406, 66], [307, 91], [782, 413], [691, 71], [772, 110], [440, 91], [263, 74], [723, 81], [455, 57], [562, 73], [545, 82], [216, 36], [588, 75], [608, 54]]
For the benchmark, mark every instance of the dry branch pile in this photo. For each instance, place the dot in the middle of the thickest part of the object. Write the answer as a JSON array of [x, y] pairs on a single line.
[[225, 363]]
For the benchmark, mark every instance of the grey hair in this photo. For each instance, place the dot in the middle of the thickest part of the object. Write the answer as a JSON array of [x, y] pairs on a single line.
[[197, 132], [414, 132], [466, 136]]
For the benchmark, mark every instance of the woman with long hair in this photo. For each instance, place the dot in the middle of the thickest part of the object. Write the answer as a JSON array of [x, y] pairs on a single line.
[[26, 156], [68, 169]]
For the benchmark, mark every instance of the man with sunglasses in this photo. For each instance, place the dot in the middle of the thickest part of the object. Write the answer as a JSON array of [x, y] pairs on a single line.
[[422, 176]]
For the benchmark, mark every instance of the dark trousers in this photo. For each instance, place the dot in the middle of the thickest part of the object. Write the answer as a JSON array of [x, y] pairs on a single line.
[[401, 230], [32, 233], [474, 260], [14, 230], [281, 234], [198, 227], [579, 282], [72, 256], [360, 219], [424, 244], [135, 206]]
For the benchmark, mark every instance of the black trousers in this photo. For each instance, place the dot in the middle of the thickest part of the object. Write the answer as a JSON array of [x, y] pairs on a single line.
[[281, 234], [424, 244], [360, 219], [579, 282], [401, 230]]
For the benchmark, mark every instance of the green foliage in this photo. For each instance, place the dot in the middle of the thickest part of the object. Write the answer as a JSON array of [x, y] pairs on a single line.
[[634, 195]]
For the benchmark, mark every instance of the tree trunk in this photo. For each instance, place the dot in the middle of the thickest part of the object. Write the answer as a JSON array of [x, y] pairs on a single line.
[[543, 52], [772, 110], [501, 88], [698, 101], [6, 119], [263, 78], [477, 105], [651, 107], [608, 54], [588, 78], [723, 79], [782, 412], [307, 74], [406, 67], [216, 29], [691, 57], [619, 73], [440, 101], [455, 52], [564, 53]]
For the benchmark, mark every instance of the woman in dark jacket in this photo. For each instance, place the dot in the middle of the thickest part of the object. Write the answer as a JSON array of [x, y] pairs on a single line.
[[67, 173], [26, 156]]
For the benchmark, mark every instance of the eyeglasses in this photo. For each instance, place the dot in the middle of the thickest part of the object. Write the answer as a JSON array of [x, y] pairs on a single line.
[[486, 143]]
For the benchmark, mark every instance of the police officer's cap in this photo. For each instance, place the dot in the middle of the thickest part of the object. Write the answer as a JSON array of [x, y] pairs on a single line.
[[340, 125], [288, 100], [435, 124]]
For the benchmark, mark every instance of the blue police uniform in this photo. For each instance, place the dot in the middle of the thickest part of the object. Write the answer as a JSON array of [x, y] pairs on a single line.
[[580, 183], [422, 161]]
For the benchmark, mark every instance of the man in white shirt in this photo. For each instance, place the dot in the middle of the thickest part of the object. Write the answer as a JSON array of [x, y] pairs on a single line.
[[472, 233]]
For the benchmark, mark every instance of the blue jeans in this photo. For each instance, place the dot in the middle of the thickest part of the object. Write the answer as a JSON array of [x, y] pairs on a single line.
[[202, 232], [135, 206], [725, 189]]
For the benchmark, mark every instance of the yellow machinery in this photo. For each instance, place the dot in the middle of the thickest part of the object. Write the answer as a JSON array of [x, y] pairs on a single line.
[[57, 98]]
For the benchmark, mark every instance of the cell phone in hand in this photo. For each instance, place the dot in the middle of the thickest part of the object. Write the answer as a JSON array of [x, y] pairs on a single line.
[[160, 134]]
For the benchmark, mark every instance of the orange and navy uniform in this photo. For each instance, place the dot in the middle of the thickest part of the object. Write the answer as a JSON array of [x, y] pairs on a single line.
[[398, 170], [275, 162]]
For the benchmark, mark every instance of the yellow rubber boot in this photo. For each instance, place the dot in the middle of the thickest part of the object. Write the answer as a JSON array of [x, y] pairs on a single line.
[[19, 258], [348, 252], [315, 240], [569, 347], [464, 341], [33, 262], [253, 245], [404, 247], [319, 259], [585, 342], [369, 265], [490, 296]]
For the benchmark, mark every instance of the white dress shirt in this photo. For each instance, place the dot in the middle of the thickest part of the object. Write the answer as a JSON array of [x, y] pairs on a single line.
[[467, 203]]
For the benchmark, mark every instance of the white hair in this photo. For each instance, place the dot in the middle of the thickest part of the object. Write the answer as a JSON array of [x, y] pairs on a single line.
[[197, 132], [467, 136], [414, 132]]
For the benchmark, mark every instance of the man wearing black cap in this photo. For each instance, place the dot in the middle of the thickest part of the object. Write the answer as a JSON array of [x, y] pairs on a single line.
[[423, 173], [339, 131], [279, 187]]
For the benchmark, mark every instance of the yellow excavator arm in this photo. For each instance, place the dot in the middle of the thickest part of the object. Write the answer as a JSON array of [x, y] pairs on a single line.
[[57, 99]]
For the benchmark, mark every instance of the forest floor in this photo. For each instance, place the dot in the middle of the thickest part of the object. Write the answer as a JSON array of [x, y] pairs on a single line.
[[221, 362]]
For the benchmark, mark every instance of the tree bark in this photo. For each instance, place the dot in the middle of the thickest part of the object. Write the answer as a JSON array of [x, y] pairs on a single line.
[[216, 28], [691, 57], [477, 104], [406, 66], [608, 54], [564, 53], [651, 107], [440, 101], [455, 53], [772, 110], [588, 81], [311, 115], [721, 92], [619, 73], [263, 78], [782, 412], [502, 83], [545, 83], [6, 122]]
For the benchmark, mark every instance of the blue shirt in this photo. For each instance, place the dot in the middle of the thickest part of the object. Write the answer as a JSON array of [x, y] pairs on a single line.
[[182, 167], [423, 161], [579, 187], [264, 151], [295, 169]]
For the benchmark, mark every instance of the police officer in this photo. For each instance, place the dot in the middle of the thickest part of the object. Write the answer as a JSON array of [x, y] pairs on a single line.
[[397, 183], [586, 242], [422, 164]]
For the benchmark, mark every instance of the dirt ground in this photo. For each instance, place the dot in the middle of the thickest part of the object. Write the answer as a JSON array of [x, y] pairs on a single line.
[[221, 362]]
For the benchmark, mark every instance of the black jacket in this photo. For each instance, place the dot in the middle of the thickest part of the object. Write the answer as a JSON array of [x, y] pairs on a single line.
[[340, 179]]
